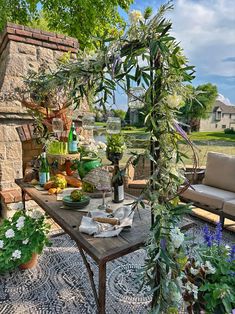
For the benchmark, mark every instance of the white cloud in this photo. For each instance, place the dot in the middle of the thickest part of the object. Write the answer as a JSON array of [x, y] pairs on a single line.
[[224, 100], [206, 30]]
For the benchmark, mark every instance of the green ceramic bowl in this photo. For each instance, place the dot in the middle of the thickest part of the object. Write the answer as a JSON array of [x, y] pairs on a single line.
[[70, 204]]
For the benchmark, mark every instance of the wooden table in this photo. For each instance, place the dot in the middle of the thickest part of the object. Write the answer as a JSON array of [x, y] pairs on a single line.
[[102, 250]]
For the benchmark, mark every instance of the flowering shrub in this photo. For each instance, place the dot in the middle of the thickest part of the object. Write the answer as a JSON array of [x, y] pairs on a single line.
[[89, 147], [20, 237], [209, 276]]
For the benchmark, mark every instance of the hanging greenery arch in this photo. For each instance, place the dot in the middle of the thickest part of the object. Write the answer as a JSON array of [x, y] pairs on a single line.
[[148, 56]]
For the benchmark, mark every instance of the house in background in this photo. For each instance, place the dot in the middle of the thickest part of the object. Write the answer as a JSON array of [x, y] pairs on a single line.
[[222, 117]]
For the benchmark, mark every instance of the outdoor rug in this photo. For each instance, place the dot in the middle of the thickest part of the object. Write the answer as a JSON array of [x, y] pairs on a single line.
[[60, 284]]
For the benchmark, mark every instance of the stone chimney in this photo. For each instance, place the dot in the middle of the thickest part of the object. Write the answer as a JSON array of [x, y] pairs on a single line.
[[21, 49]]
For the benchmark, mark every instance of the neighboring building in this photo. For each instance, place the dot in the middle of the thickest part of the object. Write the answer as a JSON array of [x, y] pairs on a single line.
[[222, 117]]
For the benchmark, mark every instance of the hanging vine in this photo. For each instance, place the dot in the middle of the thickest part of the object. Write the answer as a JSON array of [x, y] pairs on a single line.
[[148, 56]]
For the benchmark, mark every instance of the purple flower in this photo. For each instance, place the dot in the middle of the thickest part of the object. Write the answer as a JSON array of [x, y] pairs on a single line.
[[232, 254], [207, 235], [163, 244], [218, 233]]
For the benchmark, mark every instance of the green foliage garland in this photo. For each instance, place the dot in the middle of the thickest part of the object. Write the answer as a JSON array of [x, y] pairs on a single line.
[[146, 55]]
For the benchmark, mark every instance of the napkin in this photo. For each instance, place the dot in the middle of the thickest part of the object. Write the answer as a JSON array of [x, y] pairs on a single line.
[[103, 230]]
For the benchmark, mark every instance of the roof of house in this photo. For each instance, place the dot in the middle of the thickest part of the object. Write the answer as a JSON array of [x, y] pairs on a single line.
[[224, 108]]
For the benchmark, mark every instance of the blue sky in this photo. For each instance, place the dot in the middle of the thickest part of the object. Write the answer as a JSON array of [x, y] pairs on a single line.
[[206, 30]]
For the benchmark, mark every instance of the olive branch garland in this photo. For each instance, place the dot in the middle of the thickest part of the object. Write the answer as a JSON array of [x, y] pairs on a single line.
[[148, 56]]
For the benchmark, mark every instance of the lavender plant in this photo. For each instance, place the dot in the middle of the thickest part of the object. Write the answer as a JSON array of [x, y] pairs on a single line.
[[212, 276]]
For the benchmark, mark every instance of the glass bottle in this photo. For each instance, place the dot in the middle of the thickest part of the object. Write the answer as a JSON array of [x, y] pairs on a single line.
[[44, 170], [117, 185], [72, 140]]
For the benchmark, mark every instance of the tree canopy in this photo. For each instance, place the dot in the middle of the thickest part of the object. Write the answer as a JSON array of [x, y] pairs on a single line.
[[199, 107], [81, 19]]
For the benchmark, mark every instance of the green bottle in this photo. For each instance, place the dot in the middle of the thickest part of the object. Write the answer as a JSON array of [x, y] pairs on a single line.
[[72, 140], [44, 170]]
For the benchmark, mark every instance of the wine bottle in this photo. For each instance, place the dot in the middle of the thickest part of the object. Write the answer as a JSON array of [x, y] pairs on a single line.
[[44, 170], [72, 140], [118, 186]]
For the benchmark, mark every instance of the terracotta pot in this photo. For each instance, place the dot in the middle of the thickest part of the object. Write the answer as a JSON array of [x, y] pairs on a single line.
[[31, 263]]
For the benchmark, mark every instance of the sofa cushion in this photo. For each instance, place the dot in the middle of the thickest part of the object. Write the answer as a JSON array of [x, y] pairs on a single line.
[[229, 207], [208, 195], [220, 171]]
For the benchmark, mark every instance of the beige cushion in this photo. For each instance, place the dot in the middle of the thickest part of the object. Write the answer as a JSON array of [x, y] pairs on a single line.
[[208, 195], [220, 171], [229, 207], [137, 184]]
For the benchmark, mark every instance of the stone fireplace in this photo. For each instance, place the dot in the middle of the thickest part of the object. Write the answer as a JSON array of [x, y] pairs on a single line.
[[21, 49]]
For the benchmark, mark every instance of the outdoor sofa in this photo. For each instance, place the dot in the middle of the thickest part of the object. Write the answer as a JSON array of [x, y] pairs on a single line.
[[216, 193]]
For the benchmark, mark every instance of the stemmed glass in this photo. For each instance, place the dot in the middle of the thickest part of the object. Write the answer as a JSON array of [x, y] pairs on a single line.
[[113, 125], [104, 189], [58, 128]]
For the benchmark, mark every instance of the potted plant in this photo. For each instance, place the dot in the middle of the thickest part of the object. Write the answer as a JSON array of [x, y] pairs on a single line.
[[21, 237], [89, 156], [115, 147]]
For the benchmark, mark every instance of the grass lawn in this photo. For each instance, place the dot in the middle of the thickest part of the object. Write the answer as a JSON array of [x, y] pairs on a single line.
[[204, 142], [212, 136], [202, 151], [138, 131], [100, 124]]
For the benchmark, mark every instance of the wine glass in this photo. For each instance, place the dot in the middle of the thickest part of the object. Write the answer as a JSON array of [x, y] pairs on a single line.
[[88, 121], [104, 189], [58, 128], [113, 125]]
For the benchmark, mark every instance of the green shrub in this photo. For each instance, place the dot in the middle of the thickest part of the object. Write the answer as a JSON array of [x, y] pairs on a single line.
[[229, 131], [129, 128]]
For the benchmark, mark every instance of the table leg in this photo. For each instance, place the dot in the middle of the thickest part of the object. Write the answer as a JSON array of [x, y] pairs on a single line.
[[23, 194], [90, 274], [100, 297], [102, 288]]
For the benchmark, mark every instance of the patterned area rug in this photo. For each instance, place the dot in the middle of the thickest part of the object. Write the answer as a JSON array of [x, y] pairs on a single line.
[[60, 284]]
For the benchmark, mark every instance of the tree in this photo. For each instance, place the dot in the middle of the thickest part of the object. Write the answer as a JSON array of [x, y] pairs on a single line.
[[80, 19], [199, 107], [119, 113]]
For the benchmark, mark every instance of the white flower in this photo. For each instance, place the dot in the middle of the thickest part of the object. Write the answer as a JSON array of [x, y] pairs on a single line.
[[9, 233], [174, 100], [36, 214], [228, 248], [177, 237], [92, 148], [20, 219], [1, 244], [20, 224], [26, 241], [135, 16], [209, 269], [194, 271], [81, 138], [16, 254], [101, 145], [191, 288]]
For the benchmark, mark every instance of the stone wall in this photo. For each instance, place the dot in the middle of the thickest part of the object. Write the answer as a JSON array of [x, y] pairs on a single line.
[[21, 49]]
